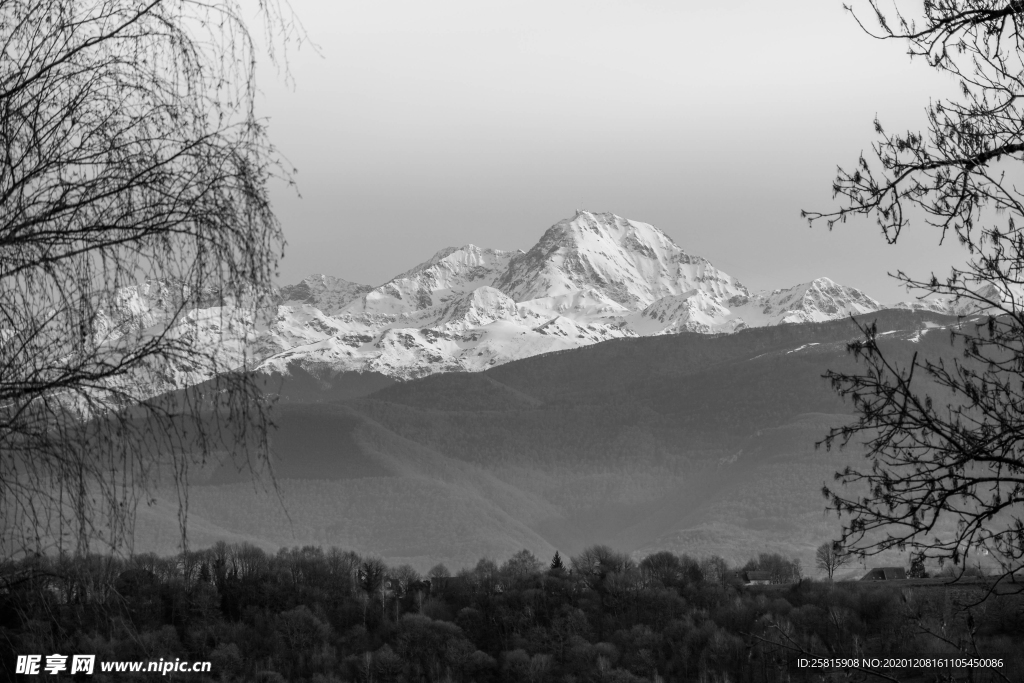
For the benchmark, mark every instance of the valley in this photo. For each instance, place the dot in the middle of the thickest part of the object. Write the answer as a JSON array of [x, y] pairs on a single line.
[[694, 443]]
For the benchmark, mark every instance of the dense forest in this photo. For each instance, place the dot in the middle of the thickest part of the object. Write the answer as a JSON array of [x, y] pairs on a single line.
[[306, 614]]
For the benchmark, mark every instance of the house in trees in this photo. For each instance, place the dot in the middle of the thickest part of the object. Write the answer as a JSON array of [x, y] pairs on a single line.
[[757, 578], [885, 574], [750, 578]]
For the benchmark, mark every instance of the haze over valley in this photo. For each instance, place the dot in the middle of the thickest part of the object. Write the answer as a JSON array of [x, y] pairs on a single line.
[[694, 443]]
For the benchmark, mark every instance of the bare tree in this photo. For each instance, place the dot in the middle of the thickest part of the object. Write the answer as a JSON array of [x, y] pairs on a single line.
[[371, 577], [714, 569], [778, 568], [133, 189], [829, 557], [945, 433]]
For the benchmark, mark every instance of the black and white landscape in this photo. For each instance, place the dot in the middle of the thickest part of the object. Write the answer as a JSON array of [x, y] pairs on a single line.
[[604, 386], [269, 412]]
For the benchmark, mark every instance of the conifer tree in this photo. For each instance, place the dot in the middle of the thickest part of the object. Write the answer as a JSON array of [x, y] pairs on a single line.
[[556, 563]]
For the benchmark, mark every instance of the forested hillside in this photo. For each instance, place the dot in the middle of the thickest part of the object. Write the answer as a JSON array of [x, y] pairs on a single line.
[[688, 442], [311, 615]]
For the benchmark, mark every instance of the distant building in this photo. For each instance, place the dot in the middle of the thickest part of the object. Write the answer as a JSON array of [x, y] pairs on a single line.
[[757, 578], [885, 574], [750, 578]]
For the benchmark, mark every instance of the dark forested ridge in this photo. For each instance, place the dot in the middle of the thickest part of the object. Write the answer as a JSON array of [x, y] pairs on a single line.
[[306, 615], [691, 443]]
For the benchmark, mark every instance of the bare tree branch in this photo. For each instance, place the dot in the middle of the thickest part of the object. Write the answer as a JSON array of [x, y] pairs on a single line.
[[944, 431], [137, 251]]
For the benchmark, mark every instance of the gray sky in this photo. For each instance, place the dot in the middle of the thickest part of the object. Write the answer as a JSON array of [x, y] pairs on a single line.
[[441, 123]]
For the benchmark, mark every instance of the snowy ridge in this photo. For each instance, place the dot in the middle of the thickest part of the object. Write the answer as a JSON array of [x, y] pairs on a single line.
[[327, 293], [815, 301], [949, 305], [590, 278], [449, 274], [133, 309]]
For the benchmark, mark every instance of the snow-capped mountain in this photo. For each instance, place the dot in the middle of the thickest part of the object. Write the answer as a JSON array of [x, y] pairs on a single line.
[[448, 275], [590, 278], [986, 298], [329, 294], [628, 263], [593, 277], [136, 308], [697, 311]]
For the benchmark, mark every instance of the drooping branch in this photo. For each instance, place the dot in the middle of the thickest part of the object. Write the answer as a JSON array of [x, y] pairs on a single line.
[[137, 249]]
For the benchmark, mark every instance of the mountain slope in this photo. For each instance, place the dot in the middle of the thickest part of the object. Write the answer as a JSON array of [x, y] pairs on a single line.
[[696, 443], [450, 274]]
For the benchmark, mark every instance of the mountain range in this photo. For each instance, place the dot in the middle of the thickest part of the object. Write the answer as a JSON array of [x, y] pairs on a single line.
[[590, 278]]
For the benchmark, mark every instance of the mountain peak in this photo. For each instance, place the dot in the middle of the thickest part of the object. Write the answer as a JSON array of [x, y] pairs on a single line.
[[616, 227], [815, 301], [632, 263]]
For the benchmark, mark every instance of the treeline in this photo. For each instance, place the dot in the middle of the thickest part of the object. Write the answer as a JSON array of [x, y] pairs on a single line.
[[322, 616]]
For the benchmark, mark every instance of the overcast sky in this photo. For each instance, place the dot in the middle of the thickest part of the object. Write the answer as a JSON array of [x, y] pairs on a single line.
[[423, 125]]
